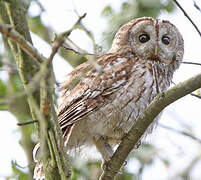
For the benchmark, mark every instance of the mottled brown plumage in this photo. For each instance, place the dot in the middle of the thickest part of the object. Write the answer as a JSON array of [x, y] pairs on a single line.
[[99, 106]]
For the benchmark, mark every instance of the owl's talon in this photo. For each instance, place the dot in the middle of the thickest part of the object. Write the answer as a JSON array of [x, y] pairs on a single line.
[[105, 166], [138, 144], [125, 163]]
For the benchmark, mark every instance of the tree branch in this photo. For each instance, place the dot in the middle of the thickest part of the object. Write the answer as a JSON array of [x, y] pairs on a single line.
[[59, 40], [17, 38], [181, 133], [27, 123], [55, 161], [145, 119], [14, 13], [193, 63], [195, 95], [185, 14], [196, 6]]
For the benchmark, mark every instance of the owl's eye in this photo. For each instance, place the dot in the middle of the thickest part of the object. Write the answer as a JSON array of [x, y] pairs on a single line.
[[166, 40], [143, 38]]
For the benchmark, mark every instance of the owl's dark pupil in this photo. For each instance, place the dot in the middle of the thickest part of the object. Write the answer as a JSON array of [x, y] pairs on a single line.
[[166, 40], [143, 38]]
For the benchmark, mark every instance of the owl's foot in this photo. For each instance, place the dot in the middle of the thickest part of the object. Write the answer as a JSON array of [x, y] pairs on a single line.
[[105, 166], [138, 144], [106, 151], [104, 148]]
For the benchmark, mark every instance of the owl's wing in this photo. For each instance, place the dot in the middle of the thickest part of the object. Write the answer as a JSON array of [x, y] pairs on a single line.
[[86, 88]]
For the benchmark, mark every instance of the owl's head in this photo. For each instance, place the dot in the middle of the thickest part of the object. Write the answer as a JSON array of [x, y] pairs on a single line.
[[150, 39]]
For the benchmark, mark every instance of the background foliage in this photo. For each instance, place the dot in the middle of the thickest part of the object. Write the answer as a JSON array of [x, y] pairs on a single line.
[[17, 104]]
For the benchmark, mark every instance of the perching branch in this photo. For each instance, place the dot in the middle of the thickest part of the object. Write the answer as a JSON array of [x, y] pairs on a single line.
[[192, 94], [145, 119]]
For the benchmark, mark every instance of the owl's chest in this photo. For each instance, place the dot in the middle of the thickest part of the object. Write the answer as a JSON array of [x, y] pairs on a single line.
[[123, 107]]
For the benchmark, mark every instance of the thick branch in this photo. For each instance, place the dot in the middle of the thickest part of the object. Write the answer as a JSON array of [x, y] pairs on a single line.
[[55, 162], [142, 123]]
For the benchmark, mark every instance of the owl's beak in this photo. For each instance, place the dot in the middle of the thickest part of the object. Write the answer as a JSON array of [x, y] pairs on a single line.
[[156, 50], [155, 57]]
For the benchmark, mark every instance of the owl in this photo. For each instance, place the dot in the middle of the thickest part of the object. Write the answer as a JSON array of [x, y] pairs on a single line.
[[100, 105]]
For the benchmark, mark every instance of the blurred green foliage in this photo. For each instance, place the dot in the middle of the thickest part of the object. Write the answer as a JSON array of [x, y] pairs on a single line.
[[17, 172]]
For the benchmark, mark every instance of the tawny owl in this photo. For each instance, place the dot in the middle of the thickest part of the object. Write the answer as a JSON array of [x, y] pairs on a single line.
[[102, 107]]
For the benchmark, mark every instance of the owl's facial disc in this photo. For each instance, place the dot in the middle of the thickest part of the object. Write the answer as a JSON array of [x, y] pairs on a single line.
[[143, 39], [157, 41]]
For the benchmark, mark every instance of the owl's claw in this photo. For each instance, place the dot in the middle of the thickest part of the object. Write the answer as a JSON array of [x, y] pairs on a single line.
[[125, 163], [105, 166], [138, 144]]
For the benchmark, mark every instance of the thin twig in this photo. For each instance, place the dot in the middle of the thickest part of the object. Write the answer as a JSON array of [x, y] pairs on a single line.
[[199, 64], [27, 123], [74, 46], [185, 14], [181, 132], [59, 40], [195, 95], [196, 6], [80, 52], [186, 172], [93, 58]]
